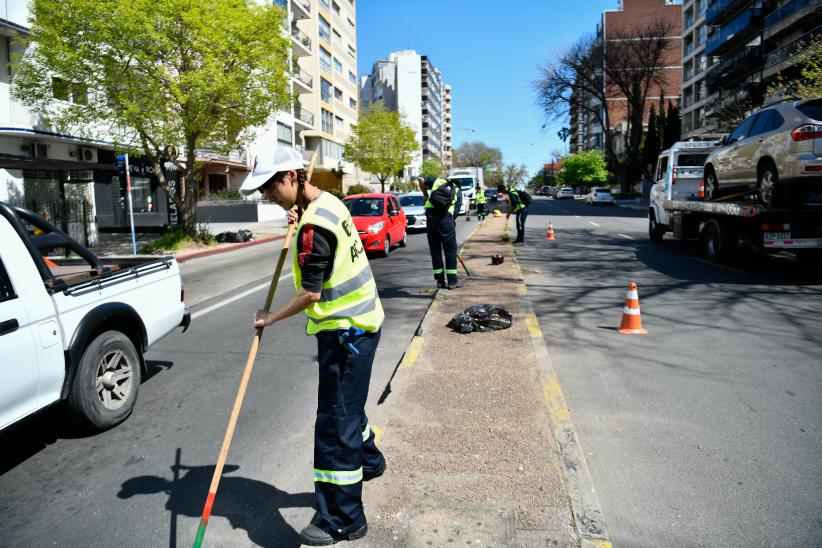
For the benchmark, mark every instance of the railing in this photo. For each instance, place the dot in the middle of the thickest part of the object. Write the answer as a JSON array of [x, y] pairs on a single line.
[[789, 9], [302, 76], [301, 37], [303, 116], [792, 48], [723, 73], [304, 5], [749, 19], [719, 8], [235, 157]]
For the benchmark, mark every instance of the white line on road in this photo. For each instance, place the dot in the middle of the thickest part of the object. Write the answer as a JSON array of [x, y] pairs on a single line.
[[577, 216], [593, 223], [236, 297], [625, 236], [737, 271]]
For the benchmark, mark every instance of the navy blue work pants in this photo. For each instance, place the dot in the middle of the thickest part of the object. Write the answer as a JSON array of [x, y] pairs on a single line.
[[442, 240], [341, 455], [521, 215]]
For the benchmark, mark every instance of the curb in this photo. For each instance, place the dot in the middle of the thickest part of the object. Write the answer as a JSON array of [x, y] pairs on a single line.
[[230, 247], [589, 522]]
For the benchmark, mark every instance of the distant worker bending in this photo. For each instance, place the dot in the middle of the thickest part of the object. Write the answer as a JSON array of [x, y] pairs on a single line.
[[518, 201]]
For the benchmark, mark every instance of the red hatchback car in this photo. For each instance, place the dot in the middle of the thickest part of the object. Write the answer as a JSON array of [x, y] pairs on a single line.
[[380, 221]]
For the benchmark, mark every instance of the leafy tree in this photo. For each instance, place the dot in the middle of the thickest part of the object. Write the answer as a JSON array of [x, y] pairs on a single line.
[[358, 189], [673, 127], [431, 168], [514, 175], [584, 168], [380, 143], [477, 154], [809, 83], [651, 146], [152, 73]]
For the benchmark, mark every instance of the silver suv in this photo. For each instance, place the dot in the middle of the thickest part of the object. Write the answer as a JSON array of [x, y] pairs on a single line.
[[776, 146]]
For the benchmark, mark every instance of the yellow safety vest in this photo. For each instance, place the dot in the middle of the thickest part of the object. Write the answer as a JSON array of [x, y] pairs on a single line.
[[438, 183], [519, 205], [480, 197], [349, 296]]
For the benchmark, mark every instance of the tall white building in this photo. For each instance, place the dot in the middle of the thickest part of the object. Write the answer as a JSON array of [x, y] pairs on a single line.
[[408, 83]]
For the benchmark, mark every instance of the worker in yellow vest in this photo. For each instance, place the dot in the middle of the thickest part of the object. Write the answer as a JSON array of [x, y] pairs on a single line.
[[336, 290], [480, 200]]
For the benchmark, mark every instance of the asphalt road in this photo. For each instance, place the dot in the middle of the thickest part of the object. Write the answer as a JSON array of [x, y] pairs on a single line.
[[706, 431], [144, 482]]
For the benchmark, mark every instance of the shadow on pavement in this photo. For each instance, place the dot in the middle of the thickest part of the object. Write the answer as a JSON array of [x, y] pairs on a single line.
[[248, 504]]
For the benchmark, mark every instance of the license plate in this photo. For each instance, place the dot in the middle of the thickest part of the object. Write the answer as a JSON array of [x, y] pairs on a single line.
[[777, 235]]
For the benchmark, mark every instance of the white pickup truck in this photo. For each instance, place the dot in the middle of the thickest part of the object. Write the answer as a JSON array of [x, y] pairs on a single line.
[[75, 329]]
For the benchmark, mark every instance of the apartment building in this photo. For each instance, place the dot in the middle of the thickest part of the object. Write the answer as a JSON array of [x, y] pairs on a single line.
[[696, 65], [324, 45], [751, 42], [410, 84], [616, 25]]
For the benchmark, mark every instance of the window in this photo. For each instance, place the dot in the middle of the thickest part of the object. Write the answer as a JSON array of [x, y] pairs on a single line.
[[352, 77], [742, 131], [327, 121], [662, 168], [325, 59], [338, 94], [352, 52], [73, 92], [325, 90], [338, 65], [325, 29], [217, 182], [339, 123], [335, 7], [352, 103], [350, 22], [6, 289], [324, 3], [331, 150], [337, 35], [283, 134]]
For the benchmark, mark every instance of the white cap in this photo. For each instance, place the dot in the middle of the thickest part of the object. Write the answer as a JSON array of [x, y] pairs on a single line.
[[268, 162]]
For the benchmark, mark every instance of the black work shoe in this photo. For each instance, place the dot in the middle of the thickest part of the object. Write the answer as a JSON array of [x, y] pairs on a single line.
[[313, 535], [456, 285], [368, 476], [441, 284]]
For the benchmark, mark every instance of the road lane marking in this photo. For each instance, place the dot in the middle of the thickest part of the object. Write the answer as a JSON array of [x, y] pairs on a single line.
[[625, 236], [722, 266], [593, 223], [236, 297], [577, 216]]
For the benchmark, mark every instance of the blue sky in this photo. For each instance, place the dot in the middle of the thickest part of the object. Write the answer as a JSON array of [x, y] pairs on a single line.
[[488, 51]]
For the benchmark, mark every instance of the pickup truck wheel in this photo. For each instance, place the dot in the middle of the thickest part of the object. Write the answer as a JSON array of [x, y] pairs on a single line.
[[716, 242], [655, 231], [107, 381]]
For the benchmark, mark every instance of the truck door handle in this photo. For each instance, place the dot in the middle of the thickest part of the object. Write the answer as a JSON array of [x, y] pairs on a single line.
[[8, 326]]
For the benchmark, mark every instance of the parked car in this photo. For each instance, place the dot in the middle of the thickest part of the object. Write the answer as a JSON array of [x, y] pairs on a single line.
[[491, 194], [777, 146], [565, 192], [599, 196], [74, 330], [413, 204], [380, 221]]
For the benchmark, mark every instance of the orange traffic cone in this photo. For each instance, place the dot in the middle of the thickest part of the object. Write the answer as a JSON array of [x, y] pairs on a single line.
[[550, 235], [631, 321]]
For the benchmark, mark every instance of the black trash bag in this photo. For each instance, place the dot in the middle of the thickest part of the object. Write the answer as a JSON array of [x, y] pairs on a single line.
[[230, 237], [481, 317], [245, 235]]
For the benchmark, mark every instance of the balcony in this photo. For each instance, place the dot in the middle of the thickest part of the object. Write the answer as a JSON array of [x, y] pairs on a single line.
[[744, 26], [790, 9], [730, 70], [301, 9], [209, 155], [303, 80], [303, 117], [721, 11], [302, 43], [783, 54]]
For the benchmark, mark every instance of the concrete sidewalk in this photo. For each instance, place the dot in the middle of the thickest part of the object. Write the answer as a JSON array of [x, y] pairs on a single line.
[[479, 443], [119, 244]]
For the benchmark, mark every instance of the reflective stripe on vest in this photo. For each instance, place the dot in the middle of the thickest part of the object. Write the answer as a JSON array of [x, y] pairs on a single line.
[[366, 433], [338, 477], [438, 183], [349, 296]]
